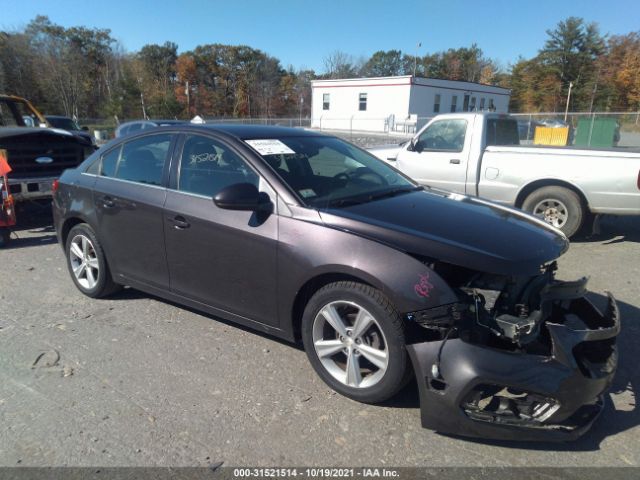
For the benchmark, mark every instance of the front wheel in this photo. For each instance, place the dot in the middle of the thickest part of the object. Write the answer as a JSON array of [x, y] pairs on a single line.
[[354, 339], [558, 206]]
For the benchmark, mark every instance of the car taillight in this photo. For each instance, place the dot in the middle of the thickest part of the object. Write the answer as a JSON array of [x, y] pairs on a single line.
[[54, 185]]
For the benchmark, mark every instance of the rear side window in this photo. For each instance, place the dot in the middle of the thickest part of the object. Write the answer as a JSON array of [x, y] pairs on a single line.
[[207, 166], [502, 132], [143, 159], [109, 162]]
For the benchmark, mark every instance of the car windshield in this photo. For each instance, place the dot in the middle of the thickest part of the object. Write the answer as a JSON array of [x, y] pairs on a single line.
[[327, 172], [63, 123]]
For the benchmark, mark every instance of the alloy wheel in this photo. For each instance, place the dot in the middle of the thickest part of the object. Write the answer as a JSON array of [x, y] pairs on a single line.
[[350, 344], [84, 262]]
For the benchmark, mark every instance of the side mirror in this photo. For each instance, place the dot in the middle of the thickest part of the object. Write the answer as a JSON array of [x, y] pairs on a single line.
[[241, 196], [414, 146]]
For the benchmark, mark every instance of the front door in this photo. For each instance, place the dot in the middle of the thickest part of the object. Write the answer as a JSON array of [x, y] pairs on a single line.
[[222, 258], [129, 196], [438, 158]]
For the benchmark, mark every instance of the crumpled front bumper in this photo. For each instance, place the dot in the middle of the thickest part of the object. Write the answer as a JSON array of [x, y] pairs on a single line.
[[496, 394]]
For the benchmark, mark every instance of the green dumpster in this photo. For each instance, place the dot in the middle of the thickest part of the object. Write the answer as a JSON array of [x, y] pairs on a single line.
[[597, 132]]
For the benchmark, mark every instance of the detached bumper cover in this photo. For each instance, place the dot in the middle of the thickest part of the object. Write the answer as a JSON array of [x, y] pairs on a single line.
[[496, 394]]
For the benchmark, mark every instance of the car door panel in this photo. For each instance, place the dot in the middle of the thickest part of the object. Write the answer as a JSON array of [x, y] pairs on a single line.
[[439, 158], [129, 196], [226, 259], [131, 229]]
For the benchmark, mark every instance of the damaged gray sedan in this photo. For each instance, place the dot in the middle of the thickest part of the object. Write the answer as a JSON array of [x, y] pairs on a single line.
[[309, 238]]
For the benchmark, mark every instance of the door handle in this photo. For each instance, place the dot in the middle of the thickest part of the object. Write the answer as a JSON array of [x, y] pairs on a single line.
[[179, 222], [455, 161], [108, 202]]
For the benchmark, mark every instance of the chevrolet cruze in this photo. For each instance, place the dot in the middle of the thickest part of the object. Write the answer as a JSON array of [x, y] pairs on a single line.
[[307, 237]]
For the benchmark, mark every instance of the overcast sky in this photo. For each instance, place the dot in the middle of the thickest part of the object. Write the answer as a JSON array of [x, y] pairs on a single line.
[[301, 33]]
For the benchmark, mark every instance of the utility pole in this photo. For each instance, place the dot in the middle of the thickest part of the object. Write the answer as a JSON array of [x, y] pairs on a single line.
[[566, 110], [415, 60]]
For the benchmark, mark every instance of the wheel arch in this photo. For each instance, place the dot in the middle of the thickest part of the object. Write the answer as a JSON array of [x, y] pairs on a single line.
[[531, 187], [310, 287], [67, 225]]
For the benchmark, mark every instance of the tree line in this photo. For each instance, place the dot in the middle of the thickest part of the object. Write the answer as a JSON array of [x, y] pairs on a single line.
[[84, 72]]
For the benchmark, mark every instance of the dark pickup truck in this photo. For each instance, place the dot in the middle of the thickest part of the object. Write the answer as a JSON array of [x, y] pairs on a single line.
[[37, 155]]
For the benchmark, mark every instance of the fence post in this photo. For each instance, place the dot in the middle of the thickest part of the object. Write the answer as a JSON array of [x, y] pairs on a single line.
[[593, 117], [351, 128], [529, 127]]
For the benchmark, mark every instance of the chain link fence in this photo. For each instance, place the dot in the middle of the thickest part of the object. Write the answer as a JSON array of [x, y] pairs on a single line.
[[586, 130]]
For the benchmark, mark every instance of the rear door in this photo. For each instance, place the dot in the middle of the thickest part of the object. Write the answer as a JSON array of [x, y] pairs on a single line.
[[129, 196], [222, 258], [439, 158]]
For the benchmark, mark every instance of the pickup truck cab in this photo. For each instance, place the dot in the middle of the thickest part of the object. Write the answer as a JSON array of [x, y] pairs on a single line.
[[479, 154]]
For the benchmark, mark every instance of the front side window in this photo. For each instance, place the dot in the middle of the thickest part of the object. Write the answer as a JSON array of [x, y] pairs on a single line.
[[142, 160], [454, 103], [325, 101], [443, 135], [207, 166], [436, 103], [362, 102], [327, 172]]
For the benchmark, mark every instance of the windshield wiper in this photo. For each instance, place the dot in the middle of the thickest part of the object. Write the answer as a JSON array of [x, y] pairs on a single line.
[[393, 193], [349, 201]]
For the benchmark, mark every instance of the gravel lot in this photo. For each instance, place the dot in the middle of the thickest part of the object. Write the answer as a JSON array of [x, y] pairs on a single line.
[[134, 380]]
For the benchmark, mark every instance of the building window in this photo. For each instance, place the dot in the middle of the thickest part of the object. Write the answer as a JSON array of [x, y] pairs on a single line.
[[465, 105], [454, 103], [436, 103], [492, 107], [325, 101], [362, 102], [482, 103], [472, 105]]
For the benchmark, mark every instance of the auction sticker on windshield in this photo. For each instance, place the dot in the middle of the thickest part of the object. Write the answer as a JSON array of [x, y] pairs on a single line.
[[269, 147]]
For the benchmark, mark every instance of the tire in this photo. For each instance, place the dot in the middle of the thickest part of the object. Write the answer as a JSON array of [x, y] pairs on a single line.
[[87, 263], [5, 237], [383, 341], [558, 206]]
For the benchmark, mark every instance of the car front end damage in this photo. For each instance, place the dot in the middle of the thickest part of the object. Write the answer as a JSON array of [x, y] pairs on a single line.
[[517, 358]]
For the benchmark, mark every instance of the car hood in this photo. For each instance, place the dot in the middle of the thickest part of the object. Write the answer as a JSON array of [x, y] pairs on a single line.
[[457, 229], [18, 132]]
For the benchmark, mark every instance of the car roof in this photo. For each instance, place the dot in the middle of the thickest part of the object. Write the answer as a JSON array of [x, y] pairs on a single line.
[[248, 132]]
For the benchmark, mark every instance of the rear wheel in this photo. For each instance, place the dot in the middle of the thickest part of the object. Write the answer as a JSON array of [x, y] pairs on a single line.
[[354, 339], [558, 206], [87, 263]]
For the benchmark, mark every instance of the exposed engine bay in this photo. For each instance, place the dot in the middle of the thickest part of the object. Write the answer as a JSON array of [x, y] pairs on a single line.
[[518, 357]]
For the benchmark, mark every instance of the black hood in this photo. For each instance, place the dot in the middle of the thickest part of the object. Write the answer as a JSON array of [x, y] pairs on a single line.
[[456, 229], [44, 133]]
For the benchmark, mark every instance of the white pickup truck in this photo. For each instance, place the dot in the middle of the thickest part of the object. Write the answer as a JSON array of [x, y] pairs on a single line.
[[479, 154]]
